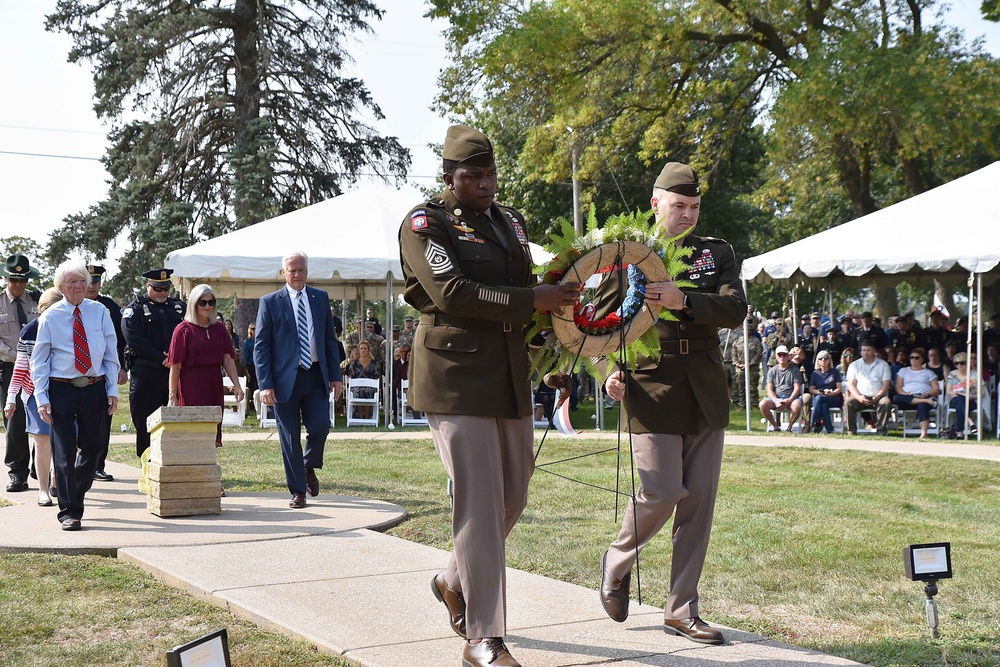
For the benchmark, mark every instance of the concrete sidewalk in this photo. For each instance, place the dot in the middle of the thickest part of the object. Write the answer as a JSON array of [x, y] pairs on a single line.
[[326, 575]]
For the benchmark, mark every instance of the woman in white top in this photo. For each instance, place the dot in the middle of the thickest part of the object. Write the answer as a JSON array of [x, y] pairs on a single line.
[[916, 387]]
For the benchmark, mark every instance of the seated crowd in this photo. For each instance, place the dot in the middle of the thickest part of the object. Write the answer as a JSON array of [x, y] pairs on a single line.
[[855, 366]]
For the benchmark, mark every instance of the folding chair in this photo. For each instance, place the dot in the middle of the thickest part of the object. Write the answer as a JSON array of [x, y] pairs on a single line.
[[234, 412], [355, 401], [406, 414]]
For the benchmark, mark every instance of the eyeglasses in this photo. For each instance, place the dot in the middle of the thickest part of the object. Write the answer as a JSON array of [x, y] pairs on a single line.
[[204, 303], [160, 289]]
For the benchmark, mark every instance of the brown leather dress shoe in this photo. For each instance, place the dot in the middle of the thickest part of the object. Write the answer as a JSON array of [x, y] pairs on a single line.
[[694, 629], [490, 652], [454, 601], [298, 501], [614, 593], [312, 482]]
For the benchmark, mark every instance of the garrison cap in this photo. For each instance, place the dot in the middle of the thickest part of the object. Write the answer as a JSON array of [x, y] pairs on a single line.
[[158, 277], [19, 267], [679, 178], [408, 318], [467, 146], [96, 271]]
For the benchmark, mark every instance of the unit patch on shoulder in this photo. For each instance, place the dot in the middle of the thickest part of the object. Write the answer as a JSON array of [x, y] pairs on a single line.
[[437, 257], [418, 220], [127, 313]]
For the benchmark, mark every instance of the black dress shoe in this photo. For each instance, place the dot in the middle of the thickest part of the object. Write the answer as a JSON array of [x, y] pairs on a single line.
[[298, 501], [102, 476], [17, 484], [694, 629], [69, 523], [614, 593], [312, 482], [490, 652], [454, 601]]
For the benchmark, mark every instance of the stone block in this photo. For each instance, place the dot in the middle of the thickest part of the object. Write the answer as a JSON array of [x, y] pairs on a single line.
[[181, 473], [184, 413], [184, 490], [184, 506], [169, 448]]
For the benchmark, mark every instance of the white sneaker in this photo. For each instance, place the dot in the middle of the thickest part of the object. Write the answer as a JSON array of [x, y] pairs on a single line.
[[44, 500]]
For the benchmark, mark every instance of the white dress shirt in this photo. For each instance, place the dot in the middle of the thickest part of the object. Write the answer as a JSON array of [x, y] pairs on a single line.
[[54, 355], [304, 297]]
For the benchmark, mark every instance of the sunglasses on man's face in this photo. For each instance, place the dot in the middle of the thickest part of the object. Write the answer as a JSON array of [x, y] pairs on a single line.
[[17, 280], [205, 303], [160, 289]]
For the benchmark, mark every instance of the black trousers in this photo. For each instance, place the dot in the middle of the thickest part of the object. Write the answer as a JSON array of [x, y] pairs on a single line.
[[148, 390], [79, 419], [18, 456]]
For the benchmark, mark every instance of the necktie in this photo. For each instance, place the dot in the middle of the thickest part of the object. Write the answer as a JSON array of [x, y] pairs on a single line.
[[21, 317], [305, 355], [81, 351]]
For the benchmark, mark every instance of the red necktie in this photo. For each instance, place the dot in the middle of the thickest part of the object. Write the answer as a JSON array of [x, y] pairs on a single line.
[[81, 351]]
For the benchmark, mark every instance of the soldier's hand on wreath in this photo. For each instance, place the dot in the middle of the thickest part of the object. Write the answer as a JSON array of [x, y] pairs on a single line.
[[614, 386], [665, 294], [550, 297]]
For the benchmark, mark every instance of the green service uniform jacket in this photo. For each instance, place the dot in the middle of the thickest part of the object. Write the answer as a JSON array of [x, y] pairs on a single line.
[[687, 384], [470, 279]]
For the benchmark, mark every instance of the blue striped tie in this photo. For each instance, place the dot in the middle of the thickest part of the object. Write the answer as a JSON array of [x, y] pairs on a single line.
[[305, 355]]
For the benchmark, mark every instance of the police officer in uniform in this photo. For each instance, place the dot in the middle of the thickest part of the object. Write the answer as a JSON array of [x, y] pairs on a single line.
[[18, 306], [467, 269], [149, 324], [94, 294], [677, 410]]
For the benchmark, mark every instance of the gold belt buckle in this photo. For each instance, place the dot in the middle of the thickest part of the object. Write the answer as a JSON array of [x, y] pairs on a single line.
[[81, 381], [684, 345], [507, 327]]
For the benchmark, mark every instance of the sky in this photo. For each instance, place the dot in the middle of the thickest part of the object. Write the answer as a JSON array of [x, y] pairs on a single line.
[[51, 140]]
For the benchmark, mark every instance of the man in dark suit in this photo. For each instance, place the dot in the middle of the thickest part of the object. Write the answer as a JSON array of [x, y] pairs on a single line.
[[295, 354], [677, 411], [115, 311]]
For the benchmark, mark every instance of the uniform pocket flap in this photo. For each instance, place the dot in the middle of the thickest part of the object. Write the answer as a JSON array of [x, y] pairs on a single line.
[[450, 339]]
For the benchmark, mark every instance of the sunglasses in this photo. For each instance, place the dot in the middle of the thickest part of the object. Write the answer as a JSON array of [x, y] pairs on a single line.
[[17, 280], [959, 363], [204, 303], [916, 356], [160, 289]]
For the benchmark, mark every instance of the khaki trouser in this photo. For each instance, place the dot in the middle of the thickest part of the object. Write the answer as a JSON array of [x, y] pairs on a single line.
[[882, 409], [490, 461], [739, 387], [679, 475]]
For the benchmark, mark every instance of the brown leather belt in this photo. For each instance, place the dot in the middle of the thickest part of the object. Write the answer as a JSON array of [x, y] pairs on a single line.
[[82, 381], [687, 345], [466, 323]]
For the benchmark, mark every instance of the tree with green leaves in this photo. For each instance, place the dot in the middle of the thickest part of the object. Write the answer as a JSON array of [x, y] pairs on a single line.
[[861, 104], [222, 113]]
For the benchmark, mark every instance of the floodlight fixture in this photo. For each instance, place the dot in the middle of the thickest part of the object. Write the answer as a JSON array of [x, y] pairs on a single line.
[[928, 563], [211, 650]]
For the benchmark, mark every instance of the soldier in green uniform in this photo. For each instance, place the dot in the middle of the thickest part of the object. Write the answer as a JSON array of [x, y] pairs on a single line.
[[753, 366], [677, 412], [148, 324], [467, 268]]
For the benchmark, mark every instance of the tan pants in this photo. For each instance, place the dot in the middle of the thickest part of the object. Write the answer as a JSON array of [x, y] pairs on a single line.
[[490, 461], [679, 475]]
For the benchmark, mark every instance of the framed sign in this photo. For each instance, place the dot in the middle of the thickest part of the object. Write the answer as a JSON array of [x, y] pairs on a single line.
[[212, 650]]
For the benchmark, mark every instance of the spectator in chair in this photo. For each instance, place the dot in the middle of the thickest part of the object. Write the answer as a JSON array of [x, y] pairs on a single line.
[[364, 367], [846, 359], [960, 382], [916, 387], [935, 363], [868, 382], [784, 389], [827, 389]]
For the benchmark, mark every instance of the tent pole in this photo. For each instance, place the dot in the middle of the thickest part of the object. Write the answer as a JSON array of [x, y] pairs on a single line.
[[746, 360], [390, 396], [795, 319], [968, 351], [979, 356]]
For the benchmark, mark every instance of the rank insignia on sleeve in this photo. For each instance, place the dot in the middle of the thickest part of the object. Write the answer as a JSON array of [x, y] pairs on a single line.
[[418, 220], [437, 258]]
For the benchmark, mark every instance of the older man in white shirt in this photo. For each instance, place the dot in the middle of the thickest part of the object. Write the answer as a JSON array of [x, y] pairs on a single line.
[[868, 382], [75, 370]]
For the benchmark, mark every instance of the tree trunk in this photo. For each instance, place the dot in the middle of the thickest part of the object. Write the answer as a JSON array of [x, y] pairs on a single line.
[[246, 101], [946, 295], [245, 314], [885, 301]]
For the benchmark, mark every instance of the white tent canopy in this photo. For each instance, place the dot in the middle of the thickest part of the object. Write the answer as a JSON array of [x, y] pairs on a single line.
[[943, 234], [352, 242]]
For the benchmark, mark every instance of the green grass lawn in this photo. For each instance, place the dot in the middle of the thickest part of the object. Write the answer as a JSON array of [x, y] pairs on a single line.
[[806, 548]]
